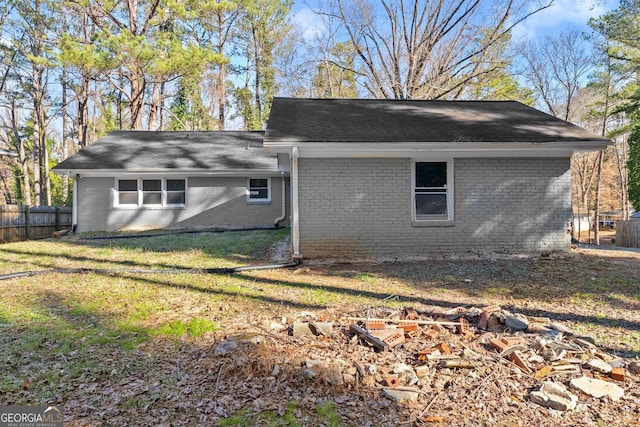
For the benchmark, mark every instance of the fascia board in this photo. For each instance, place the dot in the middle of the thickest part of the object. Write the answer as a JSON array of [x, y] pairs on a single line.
[[102, 173], [484, 149]]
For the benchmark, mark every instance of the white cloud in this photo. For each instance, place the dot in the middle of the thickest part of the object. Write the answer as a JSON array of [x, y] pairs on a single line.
[[564, 14], [309, 23]]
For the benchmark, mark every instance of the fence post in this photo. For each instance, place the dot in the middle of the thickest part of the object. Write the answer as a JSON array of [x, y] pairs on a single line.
[[57, 219], [27, 223]]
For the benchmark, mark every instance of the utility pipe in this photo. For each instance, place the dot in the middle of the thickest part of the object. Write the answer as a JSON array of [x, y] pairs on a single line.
[[295, 217], [74, 205], [284, 202], [110, 271]]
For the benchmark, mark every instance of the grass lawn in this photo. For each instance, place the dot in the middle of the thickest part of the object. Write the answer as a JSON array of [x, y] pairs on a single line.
[[122, 348]]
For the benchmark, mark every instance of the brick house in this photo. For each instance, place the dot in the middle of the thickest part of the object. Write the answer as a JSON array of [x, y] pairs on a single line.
[[365, 178]]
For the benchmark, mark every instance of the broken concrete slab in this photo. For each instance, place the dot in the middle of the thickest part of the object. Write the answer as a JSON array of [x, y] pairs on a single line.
[[555, 396], [401, 395], [300, 329], [597, 388], [515, 322], [599, 365]]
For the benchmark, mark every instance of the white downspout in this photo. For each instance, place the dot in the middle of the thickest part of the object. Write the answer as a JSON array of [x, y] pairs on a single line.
[[284, 201], [295, 218], [74, 205]]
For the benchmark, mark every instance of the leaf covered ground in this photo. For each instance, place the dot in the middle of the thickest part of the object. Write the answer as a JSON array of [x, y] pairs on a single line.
[[116, 347]]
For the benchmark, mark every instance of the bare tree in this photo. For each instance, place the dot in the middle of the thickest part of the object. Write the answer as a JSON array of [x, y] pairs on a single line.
[[556, 68], [424, 49]]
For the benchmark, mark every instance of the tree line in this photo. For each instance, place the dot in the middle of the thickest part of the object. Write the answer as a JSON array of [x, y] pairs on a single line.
[[73, 70]]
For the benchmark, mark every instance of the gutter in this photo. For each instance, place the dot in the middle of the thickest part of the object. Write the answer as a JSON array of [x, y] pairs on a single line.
[[284, 202], [74, 205], [295, 216]]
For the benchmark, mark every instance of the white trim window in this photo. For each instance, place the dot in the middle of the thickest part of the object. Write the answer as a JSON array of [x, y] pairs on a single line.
[[127, 190], [432, 190], [258, 190], [151, 192]]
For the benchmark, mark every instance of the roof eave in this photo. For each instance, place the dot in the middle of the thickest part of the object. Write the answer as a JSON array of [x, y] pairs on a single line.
[[454, 149], [105, 173]]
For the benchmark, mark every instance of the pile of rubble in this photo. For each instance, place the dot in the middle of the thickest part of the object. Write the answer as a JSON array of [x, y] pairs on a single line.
[[538, 347], [409, 356]]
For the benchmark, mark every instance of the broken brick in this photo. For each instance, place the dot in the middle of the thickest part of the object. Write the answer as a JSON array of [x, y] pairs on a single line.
[[444, 348], [374, 324], [509, 341], [617, 374], [483, 321], [432, 334], [411, 334], [437, 328], [394, 339], [464, 326], [408, 326], [498, 344], [428, 351], [391, 381], [520, 361]]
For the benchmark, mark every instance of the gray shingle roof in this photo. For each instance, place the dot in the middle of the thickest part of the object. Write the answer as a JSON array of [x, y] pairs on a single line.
[[370, 120], [147, 150]]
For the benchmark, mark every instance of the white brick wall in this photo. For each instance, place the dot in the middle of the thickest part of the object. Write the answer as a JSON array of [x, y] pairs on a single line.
[[362, 207], [211, 202]]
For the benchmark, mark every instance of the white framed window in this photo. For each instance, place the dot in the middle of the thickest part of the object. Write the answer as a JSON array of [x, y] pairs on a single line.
[[258, 190], [176, 192], [432, 191], [127, 192], [151, 192]]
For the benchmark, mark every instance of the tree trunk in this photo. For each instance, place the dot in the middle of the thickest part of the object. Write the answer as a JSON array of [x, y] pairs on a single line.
[[37, 136], [26, 182], [155, 107], [65, 143], [136, 101], [221, 81]]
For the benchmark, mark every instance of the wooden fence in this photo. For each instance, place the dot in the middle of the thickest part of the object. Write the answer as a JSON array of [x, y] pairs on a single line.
[[628, 233], [37, 222]]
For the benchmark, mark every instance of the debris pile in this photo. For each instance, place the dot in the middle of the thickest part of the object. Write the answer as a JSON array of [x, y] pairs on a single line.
[[415, 356]]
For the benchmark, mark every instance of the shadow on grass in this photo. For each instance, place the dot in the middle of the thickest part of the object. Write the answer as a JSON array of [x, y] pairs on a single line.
[[233, 246], [585, 279]]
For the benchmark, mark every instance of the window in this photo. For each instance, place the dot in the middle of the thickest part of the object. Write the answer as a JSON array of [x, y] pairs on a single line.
[[431, 192], [128, 192], [258, 190], [176, 192], [151, 192]]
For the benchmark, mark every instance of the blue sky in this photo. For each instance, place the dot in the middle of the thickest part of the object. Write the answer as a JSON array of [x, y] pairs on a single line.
[[564, 14]]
